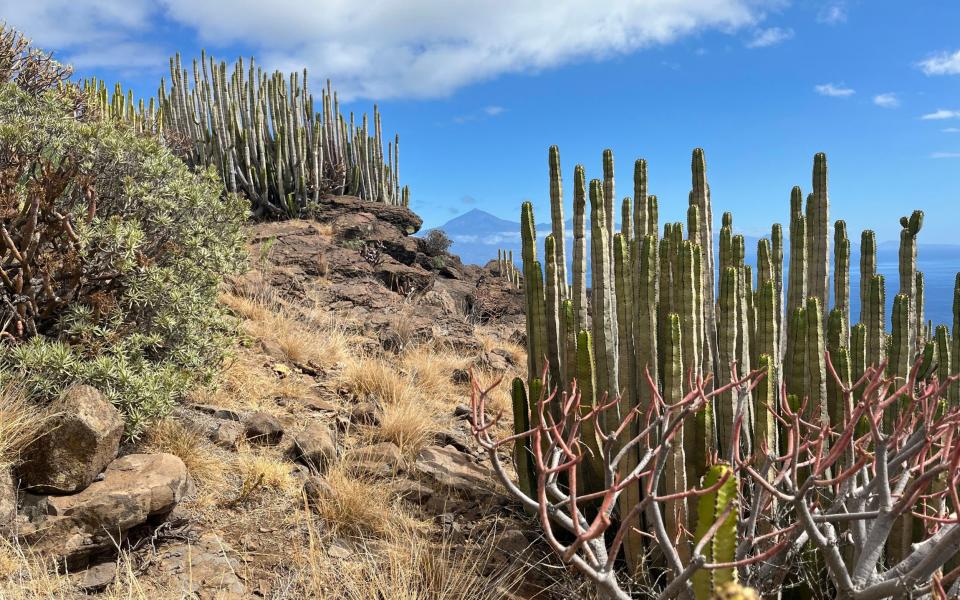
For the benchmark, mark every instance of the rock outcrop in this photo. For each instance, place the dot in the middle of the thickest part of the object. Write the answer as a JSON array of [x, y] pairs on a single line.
[[81, 439]]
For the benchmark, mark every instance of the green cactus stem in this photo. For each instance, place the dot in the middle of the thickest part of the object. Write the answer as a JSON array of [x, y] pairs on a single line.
[[721, 548], [556, 218]]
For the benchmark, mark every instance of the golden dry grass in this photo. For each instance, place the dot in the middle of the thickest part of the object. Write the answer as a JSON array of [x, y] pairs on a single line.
[[408, 424], [260, 472], [358, 506], [430, 370], [193, 448], [21, 422], [376, 378]]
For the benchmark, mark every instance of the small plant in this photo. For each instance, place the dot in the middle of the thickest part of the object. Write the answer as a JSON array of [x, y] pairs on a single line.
[[438, 262], [436, 243]]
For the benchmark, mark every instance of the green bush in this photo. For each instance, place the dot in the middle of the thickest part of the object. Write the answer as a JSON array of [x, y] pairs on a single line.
[[111, 256]]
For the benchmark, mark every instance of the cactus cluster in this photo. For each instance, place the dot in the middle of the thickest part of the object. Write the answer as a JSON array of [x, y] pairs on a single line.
[[663, 306], [506, 268], [263, 134]]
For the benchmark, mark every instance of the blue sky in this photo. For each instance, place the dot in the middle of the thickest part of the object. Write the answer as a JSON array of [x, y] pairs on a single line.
[[479, 90]]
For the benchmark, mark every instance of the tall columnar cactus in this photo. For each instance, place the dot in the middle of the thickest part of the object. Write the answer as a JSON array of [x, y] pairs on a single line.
[[262, 133], [841, 278], [700, 198], [604, 324], [727, 346], [910, 227], [655, 313], [609, 198], [641, 221], [522, 456], [675, 473], [579, 293], [954, 393], [901, 356], [818, 230], [556, 218], [868, 267], [721, 548], [553, 292]]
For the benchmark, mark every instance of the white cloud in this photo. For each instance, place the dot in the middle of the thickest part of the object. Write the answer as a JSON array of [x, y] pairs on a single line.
[[944, 63], [940, 114], [494, 110], [771, 36], [833, 13], [945, 155], [834, 90], [951, 130], [426, 48], [93, 33], [887, 100]]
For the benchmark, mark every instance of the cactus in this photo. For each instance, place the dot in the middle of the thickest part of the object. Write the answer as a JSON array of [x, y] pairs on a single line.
[[556, 217], [818, 226], [641, 222], [553, 292], [900, 338], [604, 324], [908, 277], [841, 278], [954, 392], [522, 457], [868, 267], [816, 368], [721, 548], [727, 346], [875, 321], [734, 591], [645, 318], [591, 469], [262, 134], [579, 247], [675, 473]]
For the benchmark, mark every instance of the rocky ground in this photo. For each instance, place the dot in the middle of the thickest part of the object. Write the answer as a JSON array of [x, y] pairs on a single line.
[[332, 460]]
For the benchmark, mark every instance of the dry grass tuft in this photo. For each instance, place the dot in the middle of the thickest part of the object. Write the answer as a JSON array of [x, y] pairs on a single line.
[[409, 425], [259, 473], [363, 507], [431, 369], [377, 378], [414, 569], [20, 423], [190, 446]]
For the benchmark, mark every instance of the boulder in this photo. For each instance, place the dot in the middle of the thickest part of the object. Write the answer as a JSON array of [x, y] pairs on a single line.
[[263, 428], [315, 447], [227, 434], [96, 577], [82, 439], [206, 569], [8, 498], [400, 217], [452, 469], [133, 490], [383, 459]]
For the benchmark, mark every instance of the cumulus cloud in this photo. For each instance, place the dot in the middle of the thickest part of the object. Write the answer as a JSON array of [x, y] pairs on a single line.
[[943, 63], [887, 100], [389, 48], [771, 36], [834, 90], [941, 114], [94, 33]]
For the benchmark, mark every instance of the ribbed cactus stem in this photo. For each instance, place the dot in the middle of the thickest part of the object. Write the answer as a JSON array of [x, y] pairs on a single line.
[[919, 312], [901, 356], [641, 223], [534, 294], [653, 215], [691, 315], [816, 366], [609, 199], [556, 218], [797, 274], [908, 272], [552, 298], [675, 480], [841, 277], [722, 547], [954, 392], [818, 230], [522, 456], [700, 197], [626, 220], [590, 471], [727, 346], [942, 340], [568, 333], [868, 267], [876, 321], [645, 318], [579, 291], [604, 313], [839, 356]]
